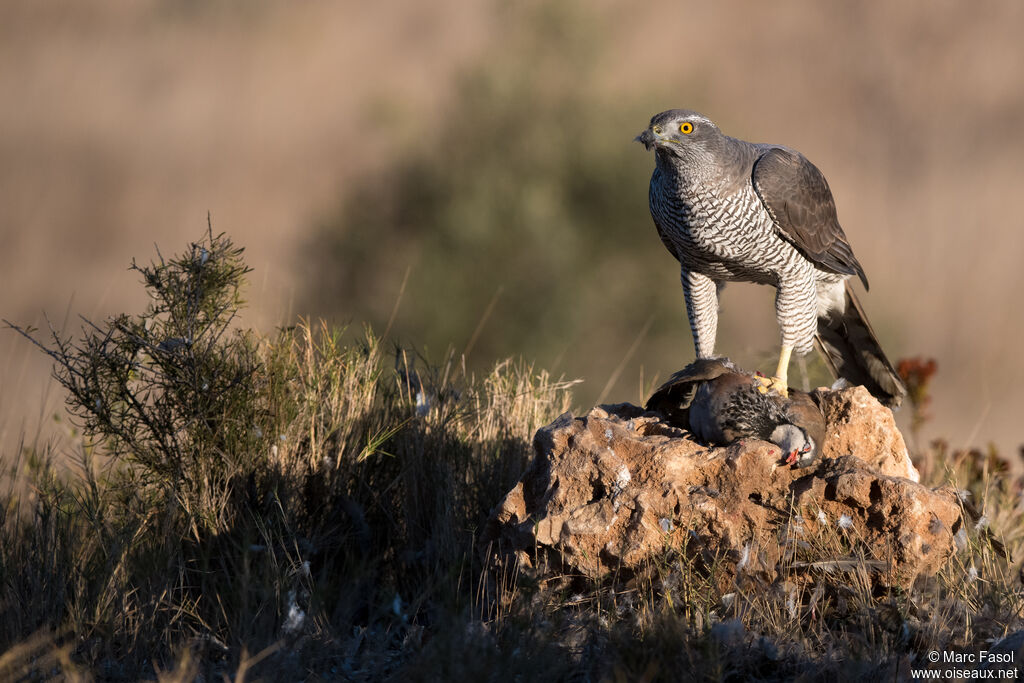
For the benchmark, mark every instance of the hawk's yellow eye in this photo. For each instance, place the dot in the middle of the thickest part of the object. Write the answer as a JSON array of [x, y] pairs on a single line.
[[686, 127]]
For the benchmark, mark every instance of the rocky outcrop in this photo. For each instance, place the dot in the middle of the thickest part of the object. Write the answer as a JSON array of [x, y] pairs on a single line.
[[617, 487], [859, 425]]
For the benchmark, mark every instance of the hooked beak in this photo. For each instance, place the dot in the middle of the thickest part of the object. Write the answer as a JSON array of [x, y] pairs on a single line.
[[646, 138]]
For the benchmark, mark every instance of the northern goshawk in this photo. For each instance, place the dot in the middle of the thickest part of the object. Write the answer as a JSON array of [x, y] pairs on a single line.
[[720, 403], [731, 210]]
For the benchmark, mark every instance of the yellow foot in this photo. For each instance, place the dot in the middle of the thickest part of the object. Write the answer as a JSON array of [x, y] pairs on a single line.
[[773, 384]]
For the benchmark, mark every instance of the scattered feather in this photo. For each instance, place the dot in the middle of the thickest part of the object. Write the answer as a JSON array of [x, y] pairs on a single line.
[[960, 539], [296, 616], [744, 558]]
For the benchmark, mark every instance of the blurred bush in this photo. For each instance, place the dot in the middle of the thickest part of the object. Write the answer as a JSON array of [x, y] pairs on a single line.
[[530, 201]]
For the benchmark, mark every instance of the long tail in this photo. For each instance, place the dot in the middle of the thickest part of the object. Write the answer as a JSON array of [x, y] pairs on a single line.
[[852, 352]]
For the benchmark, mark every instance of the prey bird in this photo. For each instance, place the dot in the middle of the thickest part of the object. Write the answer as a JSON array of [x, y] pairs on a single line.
[[719, 403], [731, 210]]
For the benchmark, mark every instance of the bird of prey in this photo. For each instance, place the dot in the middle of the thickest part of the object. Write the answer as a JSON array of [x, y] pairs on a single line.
[[719, 403], [731, 210]]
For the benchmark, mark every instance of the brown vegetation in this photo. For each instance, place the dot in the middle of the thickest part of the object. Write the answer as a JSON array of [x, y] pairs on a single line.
[[295, 507], [312, 517]]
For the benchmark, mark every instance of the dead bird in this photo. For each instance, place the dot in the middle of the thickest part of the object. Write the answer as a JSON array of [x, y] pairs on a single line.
[[720, 403]]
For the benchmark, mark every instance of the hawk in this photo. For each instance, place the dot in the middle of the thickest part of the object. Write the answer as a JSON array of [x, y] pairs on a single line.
[[720, 403], [731, 210]]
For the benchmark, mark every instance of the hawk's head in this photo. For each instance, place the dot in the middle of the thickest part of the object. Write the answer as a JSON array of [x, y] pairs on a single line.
[[680, 132]]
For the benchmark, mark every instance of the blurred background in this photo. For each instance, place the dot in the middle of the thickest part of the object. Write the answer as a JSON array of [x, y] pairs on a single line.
[[466, 171]]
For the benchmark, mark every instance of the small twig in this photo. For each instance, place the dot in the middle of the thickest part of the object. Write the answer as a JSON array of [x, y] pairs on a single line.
[[483, 320], [625, 359], [398, 302]]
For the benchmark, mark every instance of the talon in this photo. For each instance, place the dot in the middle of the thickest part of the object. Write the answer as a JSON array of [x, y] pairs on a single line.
[[773, 384]]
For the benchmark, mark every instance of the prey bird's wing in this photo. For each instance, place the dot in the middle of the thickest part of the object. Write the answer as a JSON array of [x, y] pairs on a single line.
[[678, 392], [798, 198]]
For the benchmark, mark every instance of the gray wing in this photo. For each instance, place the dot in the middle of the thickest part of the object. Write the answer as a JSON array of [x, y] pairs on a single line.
[[798, 198], [674, 397]]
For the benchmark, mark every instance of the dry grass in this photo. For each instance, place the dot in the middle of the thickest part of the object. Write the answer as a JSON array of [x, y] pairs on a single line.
[[236, 493], [312, 512]]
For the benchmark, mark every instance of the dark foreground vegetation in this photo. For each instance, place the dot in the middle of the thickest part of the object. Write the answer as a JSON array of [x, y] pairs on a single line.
[[308, 506]]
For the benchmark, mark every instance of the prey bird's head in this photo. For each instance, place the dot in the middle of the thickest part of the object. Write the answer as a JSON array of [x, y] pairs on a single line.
[[681, 133], [798, 447]]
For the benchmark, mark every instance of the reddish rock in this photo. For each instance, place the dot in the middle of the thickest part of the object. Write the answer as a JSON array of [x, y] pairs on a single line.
[[617, 487], [859, 425]]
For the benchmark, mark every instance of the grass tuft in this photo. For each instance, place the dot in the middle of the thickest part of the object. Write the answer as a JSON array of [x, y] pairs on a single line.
[[301, 506]]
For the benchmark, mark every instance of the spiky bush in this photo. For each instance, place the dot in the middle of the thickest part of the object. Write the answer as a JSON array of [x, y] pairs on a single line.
[[237, 491]]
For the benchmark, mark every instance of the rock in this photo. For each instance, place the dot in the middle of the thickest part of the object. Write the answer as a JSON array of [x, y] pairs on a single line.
[[617, 487], [861, 426]]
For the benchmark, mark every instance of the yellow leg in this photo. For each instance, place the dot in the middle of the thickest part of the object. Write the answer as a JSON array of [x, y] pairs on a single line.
[[779, 382], [782, 372]]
